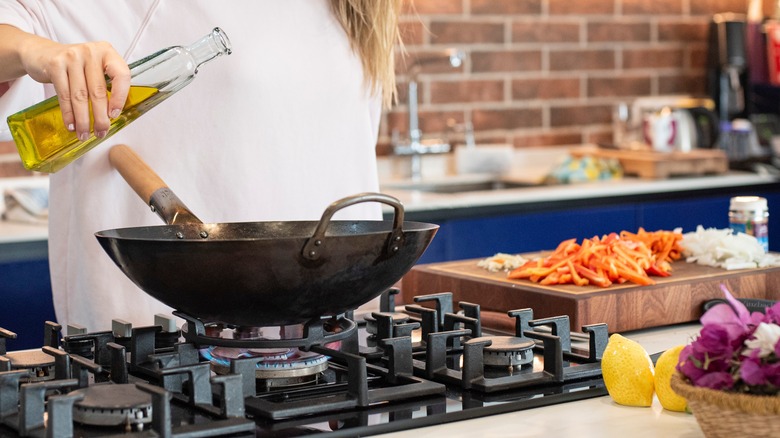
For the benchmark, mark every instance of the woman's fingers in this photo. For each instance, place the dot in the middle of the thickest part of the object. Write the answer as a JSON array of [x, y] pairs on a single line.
[[78, 73], [97, 94], [117, 70], [59, 78], [77, 97]]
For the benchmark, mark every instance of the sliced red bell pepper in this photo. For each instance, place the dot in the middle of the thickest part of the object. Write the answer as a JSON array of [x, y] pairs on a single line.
[[592, 276]]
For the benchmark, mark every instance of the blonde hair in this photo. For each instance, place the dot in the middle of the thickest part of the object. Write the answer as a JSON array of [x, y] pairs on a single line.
[[372, 28]]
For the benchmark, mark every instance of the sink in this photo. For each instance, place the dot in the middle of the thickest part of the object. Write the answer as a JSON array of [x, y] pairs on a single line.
[[484, 168], [458, 186]]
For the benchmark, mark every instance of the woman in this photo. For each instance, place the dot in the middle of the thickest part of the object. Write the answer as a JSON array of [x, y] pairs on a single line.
[[276, 131]]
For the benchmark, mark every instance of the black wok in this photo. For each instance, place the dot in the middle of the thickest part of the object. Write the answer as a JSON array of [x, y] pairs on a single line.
[[260, 273]]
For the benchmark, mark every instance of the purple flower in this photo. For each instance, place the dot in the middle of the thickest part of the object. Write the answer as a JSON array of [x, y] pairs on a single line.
[[696, 361], [752, 372], [734, 317], [773, 314], [772, 373], [691, 362], [718, 380], [715, 340], [735, 350]]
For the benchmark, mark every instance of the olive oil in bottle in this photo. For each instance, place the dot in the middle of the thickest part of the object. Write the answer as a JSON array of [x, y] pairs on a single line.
[[40, 131], [45, 145]]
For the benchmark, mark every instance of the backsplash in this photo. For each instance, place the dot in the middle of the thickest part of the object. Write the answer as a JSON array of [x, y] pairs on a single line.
[[548, 72]]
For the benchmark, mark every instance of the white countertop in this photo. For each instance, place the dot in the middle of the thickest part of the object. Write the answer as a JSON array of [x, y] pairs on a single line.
[[20, 232], [593, 418], [17, 232], [419, 201]]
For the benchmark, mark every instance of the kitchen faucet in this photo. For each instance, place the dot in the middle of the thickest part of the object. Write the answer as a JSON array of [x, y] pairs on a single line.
[[415, 146]]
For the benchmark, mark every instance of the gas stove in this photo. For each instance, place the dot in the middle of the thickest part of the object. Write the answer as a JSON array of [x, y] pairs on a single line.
[[400, 368]]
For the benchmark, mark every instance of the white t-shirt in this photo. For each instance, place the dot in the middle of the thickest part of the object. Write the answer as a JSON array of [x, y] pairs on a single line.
[[277, 130]]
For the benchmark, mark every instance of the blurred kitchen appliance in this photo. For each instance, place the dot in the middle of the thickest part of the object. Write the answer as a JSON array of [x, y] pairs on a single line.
[[738, 140], [670, 123], [727, 66], [668, 130], [756, 43]]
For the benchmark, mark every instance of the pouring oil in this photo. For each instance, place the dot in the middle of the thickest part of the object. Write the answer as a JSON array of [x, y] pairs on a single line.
[[45, 145]]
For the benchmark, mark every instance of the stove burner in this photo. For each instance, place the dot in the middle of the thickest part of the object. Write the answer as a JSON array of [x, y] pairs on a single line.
[[314, 332], [276, 366], [245, 332], [507, 351], [39, 364], [113, 405]]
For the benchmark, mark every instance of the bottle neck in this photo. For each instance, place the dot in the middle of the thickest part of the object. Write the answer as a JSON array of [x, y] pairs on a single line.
[[210, 46]]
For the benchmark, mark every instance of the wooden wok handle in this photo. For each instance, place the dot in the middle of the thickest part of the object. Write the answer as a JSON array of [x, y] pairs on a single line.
[[143, 180], [149, 186]]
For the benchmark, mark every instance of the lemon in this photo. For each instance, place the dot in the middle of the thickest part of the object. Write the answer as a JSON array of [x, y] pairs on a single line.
[[664, 369], [628, 372]]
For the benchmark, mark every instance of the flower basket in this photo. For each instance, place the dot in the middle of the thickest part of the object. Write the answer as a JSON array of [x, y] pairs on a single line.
[[727, 414]]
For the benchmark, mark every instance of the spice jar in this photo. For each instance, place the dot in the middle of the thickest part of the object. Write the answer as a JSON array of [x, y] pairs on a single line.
[[750, 215]]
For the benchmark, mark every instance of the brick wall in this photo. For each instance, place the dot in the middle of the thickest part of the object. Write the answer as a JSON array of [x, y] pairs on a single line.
[[548, 72]]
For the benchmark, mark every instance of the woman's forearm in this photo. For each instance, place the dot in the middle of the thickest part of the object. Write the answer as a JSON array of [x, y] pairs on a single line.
[[11, 41], [77, 72]]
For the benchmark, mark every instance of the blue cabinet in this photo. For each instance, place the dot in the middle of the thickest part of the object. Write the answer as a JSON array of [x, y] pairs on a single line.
[[25, 293], [686, 214]]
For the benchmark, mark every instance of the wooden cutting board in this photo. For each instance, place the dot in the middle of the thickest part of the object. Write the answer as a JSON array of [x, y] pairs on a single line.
[[675, 299], [660, 165]]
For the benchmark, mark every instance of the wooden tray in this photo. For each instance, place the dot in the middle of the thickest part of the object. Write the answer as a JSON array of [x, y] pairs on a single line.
[[659, 165], [675, 299]]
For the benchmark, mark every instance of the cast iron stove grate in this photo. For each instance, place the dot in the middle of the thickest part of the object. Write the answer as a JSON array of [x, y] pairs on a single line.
[[452, 348], [399, 370]]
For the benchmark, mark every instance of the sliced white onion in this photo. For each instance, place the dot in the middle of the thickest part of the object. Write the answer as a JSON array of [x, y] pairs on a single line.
[[722, 248], [502, 262]]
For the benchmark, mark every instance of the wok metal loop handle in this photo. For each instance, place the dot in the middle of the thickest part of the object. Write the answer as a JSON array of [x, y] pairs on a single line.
[[315, 244]]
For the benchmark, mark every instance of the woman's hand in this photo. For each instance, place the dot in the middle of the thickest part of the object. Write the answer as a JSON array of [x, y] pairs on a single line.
[[78, 73]]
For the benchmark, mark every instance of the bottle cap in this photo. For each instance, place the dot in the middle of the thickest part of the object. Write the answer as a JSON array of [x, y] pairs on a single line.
[[747, 203]]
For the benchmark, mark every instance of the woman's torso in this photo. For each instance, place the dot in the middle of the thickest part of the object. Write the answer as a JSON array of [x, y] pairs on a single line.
[[275, 131]]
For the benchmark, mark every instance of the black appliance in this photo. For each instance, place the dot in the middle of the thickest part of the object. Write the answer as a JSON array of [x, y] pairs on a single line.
[[727, 66], [397, 369]]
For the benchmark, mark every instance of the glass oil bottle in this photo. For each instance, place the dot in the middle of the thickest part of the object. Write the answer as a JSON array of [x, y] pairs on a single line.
[[45, 145]]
